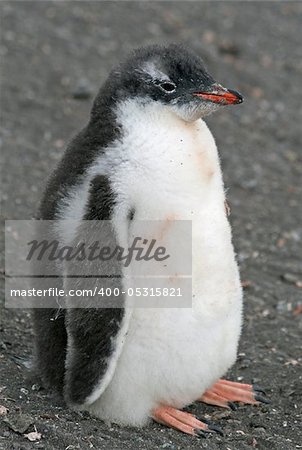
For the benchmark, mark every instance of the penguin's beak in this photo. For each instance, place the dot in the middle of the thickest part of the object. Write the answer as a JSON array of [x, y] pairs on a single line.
[[220, 95]]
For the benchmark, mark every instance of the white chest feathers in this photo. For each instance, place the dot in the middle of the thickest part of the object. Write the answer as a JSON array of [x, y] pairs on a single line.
[[164, 160]]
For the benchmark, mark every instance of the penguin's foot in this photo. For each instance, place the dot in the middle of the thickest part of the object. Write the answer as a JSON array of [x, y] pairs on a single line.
[[183, 421], [224, 393]]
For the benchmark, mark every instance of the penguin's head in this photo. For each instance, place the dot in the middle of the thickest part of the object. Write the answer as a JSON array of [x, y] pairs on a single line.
[[173, 77]]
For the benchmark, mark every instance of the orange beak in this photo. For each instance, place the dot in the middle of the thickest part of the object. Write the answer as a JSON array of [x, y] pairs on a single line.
[[221, 95]]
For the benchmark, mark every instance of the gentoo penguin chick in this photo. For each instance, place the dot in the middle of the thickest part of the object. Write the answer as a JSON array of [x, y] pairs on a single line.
[[147, 154]]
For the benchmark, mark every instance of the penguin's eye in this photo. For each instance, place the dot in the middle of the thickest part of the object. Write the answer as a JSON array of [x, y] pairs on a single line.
[[167, 86]]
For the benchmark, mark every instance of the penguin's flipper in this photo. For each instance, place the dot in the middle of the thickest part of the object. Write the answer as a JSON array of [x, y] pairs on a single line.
[[96, 327], [94, 341], [183, 421], [224, 393]]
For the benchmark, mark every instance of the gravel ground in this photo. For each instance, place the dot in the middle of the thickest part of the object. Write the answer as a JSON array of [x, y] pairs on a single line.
[[54, 56]]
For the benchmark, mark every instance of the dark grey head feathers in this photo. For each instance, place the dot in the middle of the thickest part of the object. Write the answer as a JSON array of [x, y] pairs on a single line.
[[172, 76]]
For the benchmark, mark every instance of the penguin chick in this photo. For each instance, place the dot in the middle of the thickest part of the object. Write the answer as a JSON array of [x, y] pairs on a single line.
[[147, 154]]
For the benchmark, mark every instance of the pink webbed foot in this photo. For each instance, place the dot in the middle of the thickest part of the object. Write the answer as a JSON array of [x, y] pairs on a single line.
[[224, 393], [183, 421]]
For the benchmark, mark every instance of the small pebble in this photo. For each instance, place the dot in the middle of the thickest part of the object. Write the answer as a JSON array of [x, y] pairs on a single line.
[[289, 278], [83, 90]]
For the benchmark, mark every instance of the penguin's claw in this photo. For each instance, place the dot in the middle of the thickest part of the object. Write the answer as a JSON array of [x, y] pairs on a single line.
[[183, 421], [224, 393], [212, 426], [257, 388], [200, 433], [216, 429], [261, 398], [232, 406]]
